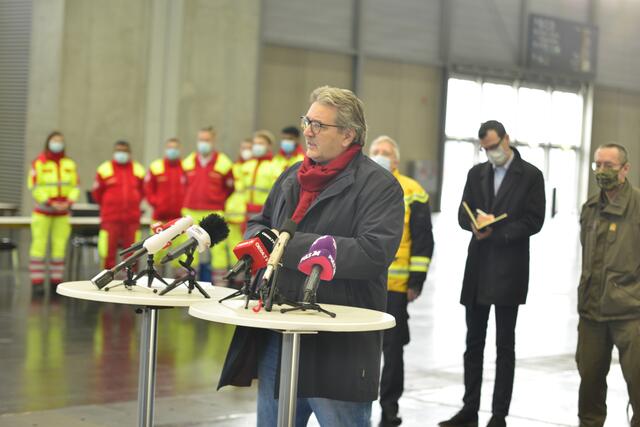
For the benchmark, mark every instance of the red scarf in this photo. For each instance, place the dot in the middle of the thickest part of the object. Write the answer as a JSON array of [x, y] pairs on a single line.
[[314, 178]]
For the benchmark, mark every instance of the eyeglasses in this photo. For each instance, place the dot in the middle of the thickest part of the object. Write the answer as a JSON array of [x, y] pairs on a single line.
[[492, 147], [315, 125], [604, 165]]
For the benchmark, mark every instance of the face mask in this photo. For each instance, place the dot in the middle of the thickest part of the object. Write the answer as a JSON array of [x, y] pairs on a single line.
[[383, 161], [259, 150], [246, 154], [497, 156], [172, 153], [56, 146], [288, 145], [607, 179], [121, 157], [204, 147]]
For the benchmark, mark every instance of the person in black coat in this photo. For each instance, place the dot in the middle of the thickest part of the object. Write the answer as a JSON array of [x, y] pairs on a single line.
[[340, 192], [497, 268]]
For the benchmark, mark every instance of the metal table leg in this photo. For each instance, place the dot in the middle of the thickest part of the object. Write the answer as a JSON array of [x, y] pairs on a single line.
[[288, 378], [147, 374]]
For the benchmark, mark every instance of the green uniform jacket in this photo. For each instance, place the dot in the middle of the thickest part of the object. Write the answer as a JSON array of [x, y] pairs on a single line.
[[610, 235]]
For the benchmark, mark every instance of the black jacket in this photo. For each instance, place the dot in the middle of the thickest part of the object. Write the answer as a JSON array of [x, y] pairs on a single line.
[[363, 209], [497, 269]]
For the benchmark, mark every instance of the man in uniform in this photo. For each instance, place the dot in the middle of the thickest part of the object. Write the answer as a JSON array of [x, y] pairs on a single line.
[[118, 189], [609, 290], [407, 275]]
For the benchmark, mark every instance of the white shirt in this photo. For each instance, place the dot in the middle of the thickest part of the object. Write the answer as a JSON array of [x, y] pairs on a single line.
[[499, 172]]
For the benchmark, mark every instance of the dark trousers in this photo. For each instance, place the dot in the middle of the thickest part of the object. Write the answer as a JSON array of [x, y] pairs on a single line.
[[593, 356], [477, 317], [392, 379]]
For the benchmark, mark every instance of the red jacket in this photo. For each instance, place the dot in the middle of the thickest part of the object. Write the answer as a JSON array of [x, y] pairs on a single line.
[[164, 188], [208, 186], [118, 189]]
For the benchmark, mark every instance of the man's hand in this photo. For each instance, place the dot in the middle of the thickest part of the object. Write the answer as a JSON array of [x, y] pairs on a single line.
[[484, 218], [60, 206], [412, 295], [481, 235]]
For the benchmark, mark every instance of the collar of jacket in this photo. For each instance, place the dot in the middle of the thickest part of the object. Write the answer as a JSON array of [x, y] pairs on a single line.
[[342, 181], [617, 206]]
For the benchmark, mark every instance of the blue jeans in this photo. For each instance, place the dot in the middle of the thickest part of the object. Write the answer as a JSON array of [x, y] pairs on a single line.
[[329, 412]]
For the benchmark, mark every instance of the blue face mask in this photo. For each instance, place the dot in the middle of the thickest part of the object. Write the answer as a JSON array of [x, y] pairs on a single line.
[[259, 150], [204, 148], [56, 146], [121, 157], [288, 145], [383, 161], [172, 153]]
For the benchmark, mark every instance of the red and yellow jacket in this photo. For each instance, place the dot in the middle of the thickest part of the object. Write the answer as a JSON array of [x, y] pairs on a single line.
[[208, 186], [118, 189], [53, 178], [164, 188]]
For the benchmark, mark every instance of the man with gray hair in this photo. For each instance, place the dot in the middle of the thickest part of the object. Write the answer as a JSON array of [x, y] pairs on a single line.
[[609, 289], [336, 191], [407, 275]]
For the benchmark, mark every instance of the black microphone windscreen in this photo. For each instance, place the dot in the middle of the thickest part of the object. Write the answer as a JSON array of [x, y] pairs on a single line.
[[268, 238], [289, 226], [216, 227]]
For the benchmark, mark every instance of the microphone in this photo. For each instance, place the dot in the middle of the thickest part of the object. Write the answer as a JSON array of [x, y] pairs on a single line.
[[253, 253], [156, 228], [318, 264], [150, 246], [211, 231], [286, 232]]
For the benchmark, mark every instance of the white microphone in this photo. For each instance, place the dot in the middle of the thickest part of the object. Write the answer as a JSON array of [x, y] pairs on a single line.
[[158, 241], [286, 233], [150, 246]]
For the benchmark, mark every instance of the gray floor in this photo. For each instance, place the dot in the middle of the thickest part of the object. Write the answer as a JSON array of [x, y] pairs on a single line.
[[74, 363]]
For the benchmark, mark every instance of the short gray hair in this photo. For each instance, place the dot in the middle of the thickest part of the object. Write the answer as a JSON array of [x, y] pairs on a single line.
[[350, 108], [623, 157], [388, 139]]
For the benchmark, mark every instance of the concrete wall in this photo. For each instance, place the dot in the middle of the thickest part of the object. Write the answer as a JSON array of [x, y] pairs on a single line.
[[616, 118], [143, 71], [287, 78]]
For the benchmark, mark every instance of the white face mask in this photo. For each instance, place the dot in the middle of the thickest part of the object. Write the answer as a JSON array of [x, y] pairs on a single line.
[[121, 157], [383, 161], [288, 145], [259, 150], [246, 154], [56, 146], [497, 156], [204, 147]]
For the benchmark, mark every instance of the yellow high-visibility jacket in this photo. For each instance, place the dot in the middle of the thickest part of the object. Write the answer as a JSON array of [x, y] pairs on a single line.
[[53, 178], [411, 263]]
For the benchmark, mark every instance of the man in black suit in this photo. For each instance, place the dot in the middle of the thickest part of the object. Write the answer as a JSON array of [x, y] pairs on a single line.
[[497, 269]]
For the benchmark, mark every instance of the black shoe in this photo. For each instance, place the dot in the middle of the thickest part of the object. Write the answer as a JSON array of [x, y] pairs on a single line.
[[389, 420], [461, 419], [497, 421]]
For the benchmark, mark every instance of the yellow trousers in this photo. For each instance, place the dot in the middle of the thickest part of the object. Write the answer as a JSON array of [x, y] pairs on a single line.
[[43, 228]]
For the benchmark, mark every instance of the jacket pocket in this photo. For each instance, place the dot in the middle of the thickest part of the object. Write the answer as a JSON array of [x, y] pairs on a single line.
[[621, 295]]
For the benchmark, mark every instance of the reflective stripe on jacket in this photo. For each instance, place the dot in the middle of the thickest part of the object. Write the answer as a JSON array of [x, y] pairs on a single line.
[[52, 179]]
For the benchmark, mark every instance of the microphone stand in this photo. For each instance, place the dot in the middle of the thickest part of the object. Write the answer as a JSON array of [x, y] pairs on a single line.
[[273, 296], [309, 303], [150, 272], [246, 289], [188, 277], [128, 283]]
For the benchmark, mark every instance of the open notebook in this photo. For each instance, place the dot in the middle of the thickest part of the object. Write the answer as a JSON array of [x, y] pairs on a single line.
[[472, 218]]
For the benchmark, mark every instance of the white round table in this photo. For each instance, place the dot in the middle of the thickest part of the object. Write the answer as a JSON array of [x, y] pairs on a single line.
[[149, 303], [292, 325]]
